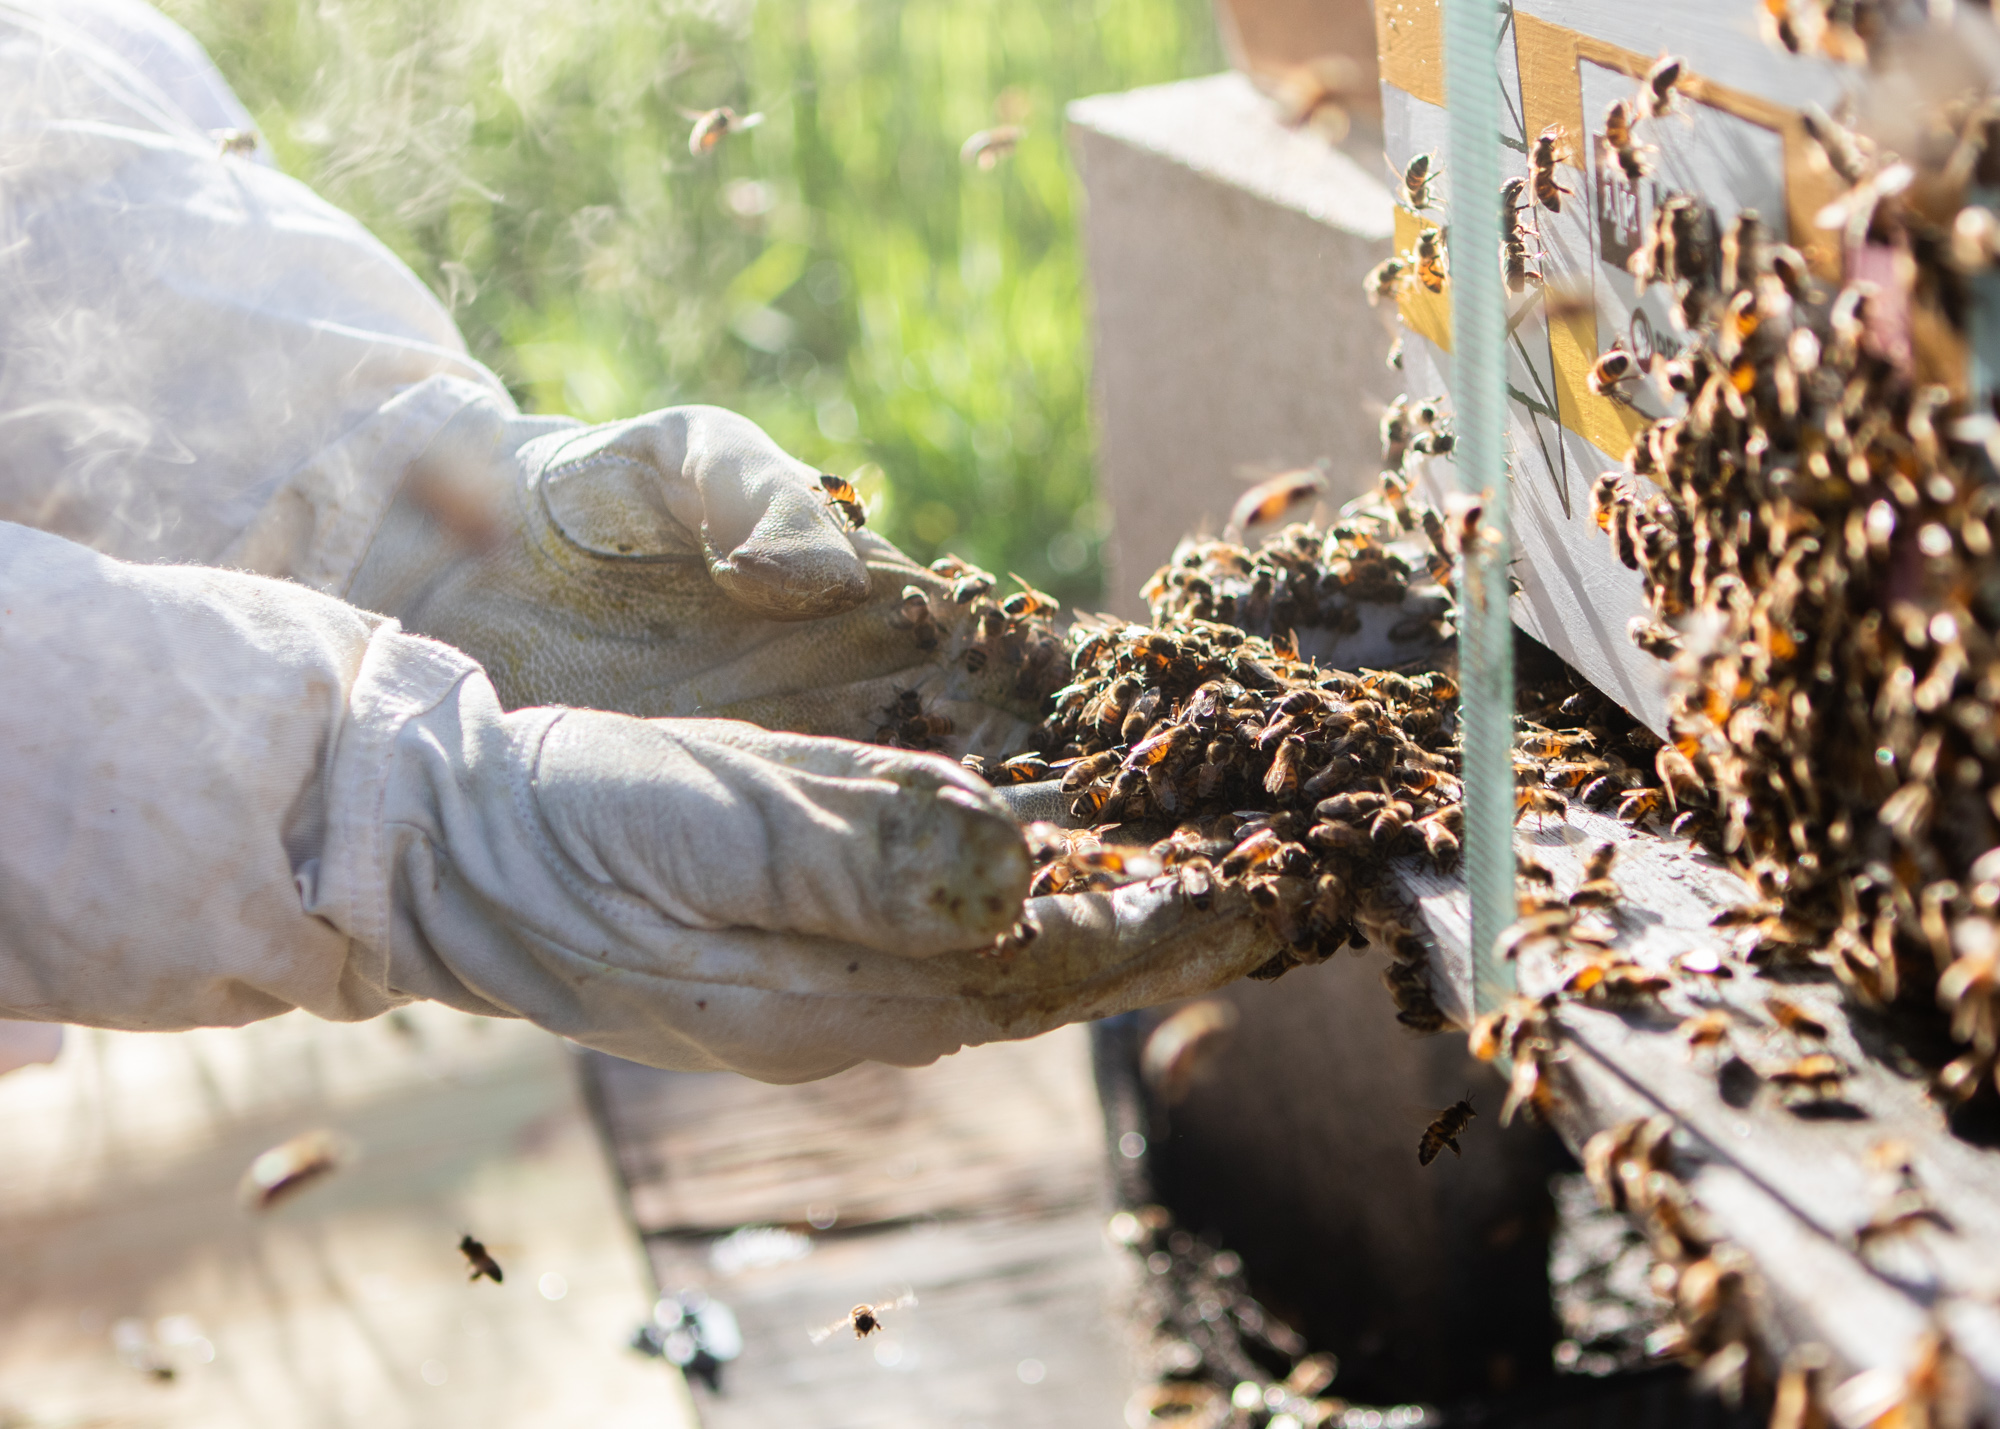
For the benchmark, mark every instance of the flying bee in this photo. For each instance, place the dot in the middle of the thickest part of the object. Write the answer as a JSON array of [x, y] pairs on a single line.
[[1268, 500], [1418, 176], [1795, 1019], [1542, 803], [1386, 279], [1618, 137], [482, 1263], [842, 497], [988, 147], [1551, 148], [913, 613], [234, 141], [1656, 94], [714, 125], [1027, 601], [864, 1320], [1431, 259], [290, 1167], [1449, 1125], [1610, 372]]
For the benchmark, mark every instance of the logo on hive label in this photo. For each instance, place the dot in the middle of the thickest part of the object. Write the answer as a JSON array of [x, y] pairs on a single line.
[[1618, 208]]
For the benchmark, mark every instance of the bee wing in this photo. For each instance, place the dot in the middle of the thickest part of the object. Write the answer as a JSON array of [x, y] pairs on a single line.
[[749, 121], [905, 1301], [821, 1335]]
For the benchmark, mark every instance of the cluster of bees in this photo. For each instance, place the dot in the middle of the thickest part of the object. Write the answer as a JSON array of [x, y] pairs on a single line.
[[1261, 776], [1816, 532], [1707, 1281], [1218, 1357], [1304, 578]]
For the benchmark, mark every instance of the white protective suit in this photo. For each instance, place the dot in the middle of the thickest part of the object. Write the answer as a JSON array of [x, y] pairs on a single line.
[[228, 792]]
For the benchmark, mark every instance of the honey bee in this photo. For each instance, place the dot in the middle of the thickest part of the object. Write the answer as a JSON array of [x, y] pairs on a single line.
[[1436, 442], [1795, 1019], [1268, 500], [1551, 148], [841, 496], [1542, 803], [289, 1167], [712, 126], [1618, 135], [1089, 769], [1597, 890], [1027, 602], [1449, 1125], [234, 141], [1705, 1029], [481, 1262], [1021, 769], [1513, 240], [1660, 641], [1616, 982], [1656, 94], [1608, 374], [988, 147], [1196, 877], [1636, 806], [1386, 279], [1821, 1074], [864, 1320], [1431, 259], [1089, 804], [1418, 176], [1283, 777], [1258, 848], [913, 613]]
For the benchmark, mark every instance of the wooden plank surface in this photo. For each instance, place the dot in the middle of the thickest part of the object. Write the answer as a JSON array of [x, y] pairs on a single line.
[[978, 1183], [1017, 1322], [1790, 1184], [348, 1305], [1009, 1126]]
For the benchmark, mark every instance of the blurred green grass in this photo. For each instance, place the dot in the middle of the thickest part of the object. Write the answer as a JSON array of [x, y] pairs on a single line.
[[835, 273]]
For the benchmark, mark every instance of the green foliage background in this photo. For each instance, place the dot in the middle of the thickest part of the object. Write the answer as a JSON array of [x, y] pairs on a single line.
[[835, 273]]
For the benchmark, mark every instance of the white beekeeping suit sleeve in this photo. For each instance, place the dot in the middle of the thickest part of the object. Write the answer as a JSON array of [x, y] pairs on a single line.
[[228, 796], [200, 359]]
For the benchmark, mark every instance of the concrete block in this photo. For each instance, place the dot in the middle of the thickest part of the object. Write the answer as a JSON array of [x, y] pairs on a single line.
[[1226, 254]]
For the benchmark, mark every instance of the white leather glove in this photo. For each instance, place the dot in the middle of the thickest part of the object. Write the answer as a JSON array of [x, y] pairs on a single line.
[[230, 796], [678, 564]]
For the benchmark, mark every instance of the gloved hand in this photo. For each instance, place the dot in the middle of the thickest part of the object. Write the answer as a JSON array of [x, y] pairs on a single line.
[[678, 564], [707, 893], [230, 796]]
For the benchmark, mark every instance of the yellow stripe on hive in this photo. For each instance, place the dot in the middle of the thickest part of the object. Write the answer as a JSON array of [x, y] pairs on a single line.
[[1409, 35]]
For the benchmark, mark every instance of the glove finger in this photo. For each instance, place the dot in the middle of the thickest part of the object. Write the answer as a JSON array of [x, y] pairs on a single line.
[[721, 825], [702, 480], [772, 540]]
